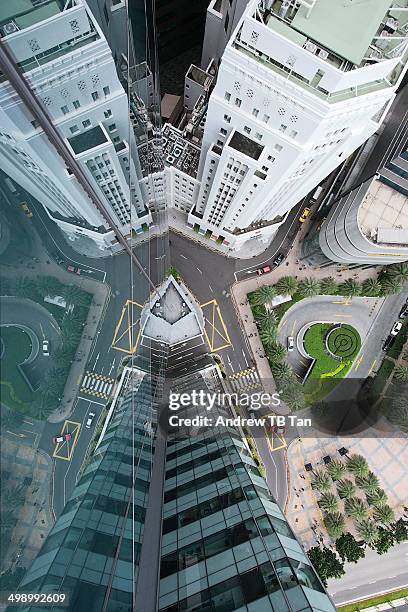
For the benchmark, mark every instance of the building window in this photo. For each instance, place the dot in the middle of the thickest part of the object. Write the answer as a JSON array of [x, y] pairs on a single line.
[[227, 96], [283, 127], [76, 103], [220, 143], [238, 102], [227, 118], [266, 118], [73, 129], [226, 23], [258, 136], [65, 109], [255, 112], [223, 131], [86, 123], [247, 129], [112, 127], [94, 95], [106, 90], [35, 123], [108, 113]]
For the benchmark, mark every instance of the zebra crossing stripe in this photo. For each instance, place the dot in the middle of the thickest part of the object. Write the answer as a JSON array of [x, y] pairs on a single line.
[[85, 380]]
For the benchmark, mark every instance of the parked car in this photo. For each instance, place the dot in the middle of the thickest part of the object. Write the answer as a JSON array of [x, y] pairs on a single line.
[[63, 438], [24, 207], [46, 348], [306, 212], [278, 259], [264, 270], [404, 311], [396, 328], [90, 419], [74, 270], [291, 343], [388, 343], [317, 192]]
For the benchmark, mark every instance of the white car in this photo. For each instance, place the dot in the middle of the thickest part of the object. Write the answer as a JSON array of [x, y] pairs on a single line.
[[291, 343], [90, 419], [396, 328], [46, 348]]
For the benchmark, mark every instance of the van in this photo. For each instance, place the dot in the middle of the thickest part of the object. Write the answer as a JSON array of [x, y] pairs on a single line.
[[316, 194]]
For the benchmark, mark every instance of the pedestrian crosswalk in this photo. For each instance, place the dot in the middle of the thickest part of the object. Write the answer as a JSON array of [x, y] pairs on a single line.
[[97, 385], [244, 380]]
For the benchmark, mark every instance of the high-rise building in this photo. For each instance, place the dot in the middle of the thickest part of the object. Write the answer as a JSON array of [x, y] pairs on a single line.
[[300, 86], [173, 518], [56, 51], [369, 224]]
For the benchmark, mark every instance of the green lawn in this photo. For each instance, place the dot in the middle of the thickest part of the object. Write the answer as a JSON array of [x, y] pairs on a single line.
[[327, 371], [373, 601], [14, 390]]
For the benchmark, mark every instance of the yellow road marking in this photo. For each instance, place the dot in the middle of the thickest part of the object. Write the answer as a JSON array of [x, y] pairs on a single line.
[[217, 327], [341, 314], [359, 361], [124, 328], [372, 367], [69, 446], [270, 441], [343, 302]]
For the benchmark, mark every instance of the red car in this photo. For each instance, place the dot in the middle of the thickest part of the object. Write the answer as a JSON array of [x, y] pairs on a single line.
[[263, 270], [63, 438], [72, 269]]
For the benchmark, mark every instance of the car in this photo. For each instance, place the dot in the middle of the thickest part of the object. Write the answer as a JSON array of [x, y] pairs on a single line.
[[24, 207], [291, 343], [74, 270], [305, 214], [278, 259], [264, 270], [404, 311], [388, 343], [278, 429], [396, 328], [90, 419], [46, 348], [62, 438]]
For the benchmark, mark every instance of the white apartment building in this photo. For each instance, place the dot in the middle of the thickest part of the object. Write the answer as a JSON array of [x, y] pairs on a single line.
[[64, 57], [301, 85]]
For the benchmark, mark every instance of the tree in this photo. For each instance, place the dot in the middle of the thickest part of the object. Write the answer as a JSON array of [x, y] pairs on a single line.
[[356, 509], [346, 489], [62, 356], [266, 318], [281, 370], [401, 373], [334, 523], [357, 465], [265, 294], [276, 352], [48, 285], [377, 498], [336, 469], [368, 483], [348, 548], [400, 530], [10, 419], [326, 563], [25, 287], [287, 285], [309, 287], [268, 335], [371, 287], [350, 287], [328, 286], [368, 531], [7, 520], [390, 285], [329, 503], [384, 514], [74, 295], [322, 481], [399, 271], [13, 497], [292, 394], [384, 542]]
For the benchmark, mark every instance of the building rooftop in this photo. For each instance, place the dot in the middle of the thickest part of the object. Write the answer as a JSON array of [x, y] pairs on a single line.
[[88, 140], [25, 13], [179, 152], [245, 145], [383, 214]]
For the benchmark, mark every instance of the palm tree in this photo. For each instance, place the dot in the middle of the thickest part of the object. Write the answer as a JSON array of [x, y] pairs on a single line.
[[368, 483], [371, 287], [7, 521], [309, 287], [292, 394], [10, 419], [62, 356], [390, 285], [265, 294], [267, 317], [322, 481], [328, 286], [368, 531], [356, 509], [336, 469], [13, 496], [287, 285], [346, 489], [268, 335], [25, 287], [74, 295], [329, 503], [48, 285], [401, 373], [399, 271], [334, 523], [282, 371], [350, 287], [384, 515], [357, 465], [276, 352], [377, 498]]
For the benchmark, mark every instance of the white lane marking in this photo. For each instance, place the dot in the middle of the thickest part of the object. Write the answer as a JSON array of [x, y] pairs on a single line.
[[246, 360]]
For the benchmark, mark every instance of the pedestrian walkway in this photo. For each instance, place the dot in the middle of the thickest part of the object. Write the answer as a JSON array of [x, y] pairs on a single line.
[[97, 385]]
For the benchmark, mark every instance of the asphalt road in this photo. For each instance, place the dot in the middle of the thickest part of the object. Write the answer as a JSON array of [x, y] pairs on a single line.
[[373, 575]]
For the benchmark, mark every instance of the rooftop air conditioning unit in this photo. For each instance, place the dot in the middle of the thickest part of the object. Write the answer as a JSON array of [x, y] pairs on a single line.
[[9, 28], [323, 54], [310, 46]]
